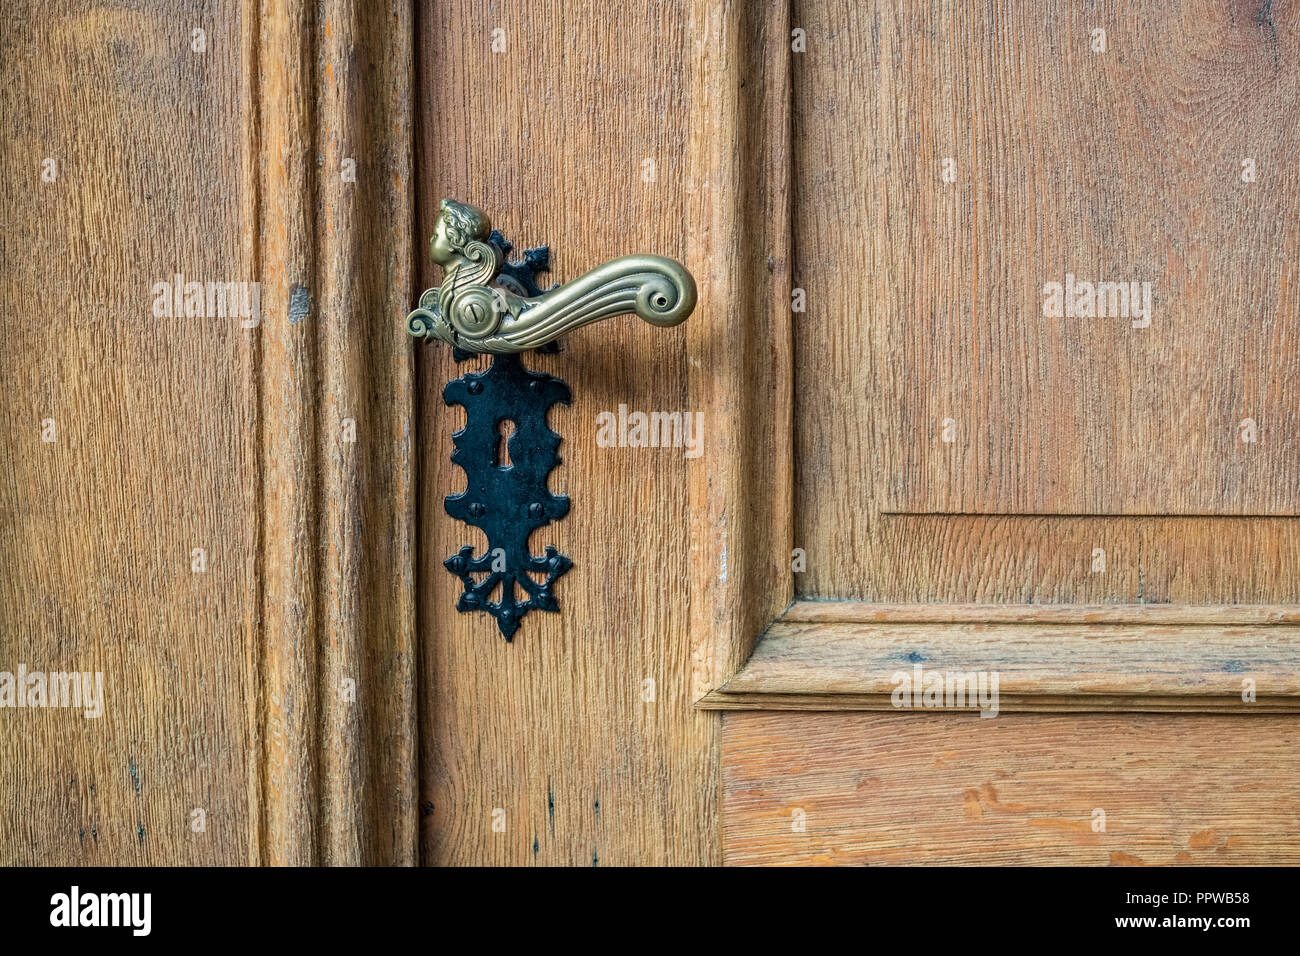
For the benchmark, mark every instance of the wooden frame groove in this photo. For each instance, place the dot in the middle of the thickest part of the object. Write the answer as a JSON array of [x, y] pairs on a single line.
[[334, 778]]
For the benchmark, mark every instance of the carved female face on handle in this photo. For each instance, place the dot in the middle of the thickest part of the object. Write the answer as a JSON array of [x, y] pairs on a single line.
[[458, 224]]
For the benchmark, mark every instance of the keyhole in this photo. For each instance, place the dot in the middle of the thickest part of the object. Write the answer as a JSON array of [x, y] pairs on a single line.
[[505, 428]]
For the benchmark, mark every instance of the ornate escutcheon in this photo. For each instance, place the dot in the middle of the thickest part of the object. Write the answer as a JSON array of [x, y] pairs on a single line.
[[487, 304]]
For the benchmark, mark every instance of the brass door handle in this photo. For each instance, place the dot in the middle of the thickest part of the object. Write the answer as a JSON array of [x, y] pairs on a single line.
[[480, 308], [487, 304]]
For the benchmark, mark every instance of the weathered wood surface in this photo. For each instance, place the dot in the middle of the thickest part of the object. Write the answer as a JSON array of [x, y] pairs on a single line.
[[217, 157], [924, 301], [154, 442], [959, 789]]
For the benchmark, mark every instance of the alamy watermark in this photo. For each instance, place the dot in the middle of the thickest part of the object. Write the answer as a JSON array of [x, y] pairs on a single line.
[[80, 690], [1074, 298], [176, 298], [920, 689], [76, 908], [651, 430]]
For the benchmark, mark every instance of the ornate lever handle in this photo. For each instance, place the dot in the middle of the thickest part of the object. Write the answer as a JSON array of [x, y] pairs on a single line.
[[488, 304], [472, 313]]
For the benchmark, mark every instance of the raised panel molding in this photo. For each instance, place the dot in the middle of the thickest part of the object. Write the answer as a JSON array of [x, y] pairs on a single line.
[[833, 655], [334, 781], [740, 338]]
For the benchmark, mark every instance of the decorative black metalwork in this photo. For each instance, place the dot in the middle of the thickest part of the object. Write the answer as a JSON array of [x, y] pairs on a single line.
[[522, 274], [510, 499]]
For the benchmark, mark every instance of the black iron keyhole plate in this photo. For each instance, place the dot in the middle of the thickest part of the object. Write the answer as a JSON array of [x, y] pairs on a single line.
[[507, 502]]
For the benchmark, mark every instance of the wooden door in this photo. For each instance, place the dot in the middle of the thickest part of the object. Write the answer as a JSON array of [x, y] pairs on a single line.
[[914, 456], [914, 453]]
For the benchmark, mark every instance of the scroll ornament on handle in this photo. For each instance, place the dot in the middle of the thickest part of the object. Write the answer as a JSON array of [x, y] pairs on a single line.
[[487, 304]]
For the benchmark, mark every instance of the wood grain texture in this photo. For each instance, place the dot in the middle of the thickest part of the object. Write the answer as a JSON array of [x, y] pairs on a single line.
[[336, 633], [365, 232], [1048, 560], [958, 789], [287, 737], [550, 138], [739, 342], [206, 156], [152, 450], [1117, 165], [1056, 661]]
